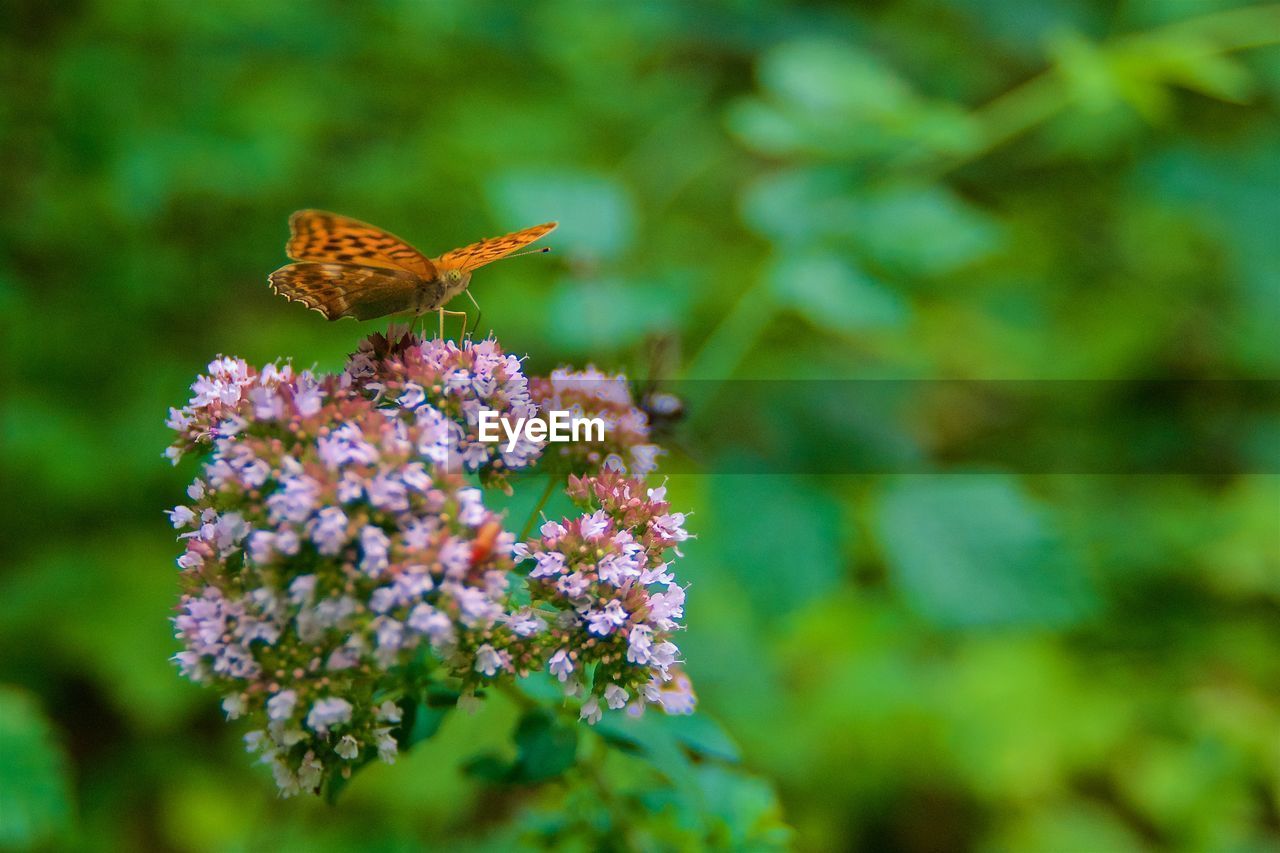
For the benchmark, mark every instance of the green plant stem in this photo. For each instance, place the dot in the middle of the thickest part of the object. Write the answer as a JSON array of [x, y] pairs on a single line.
[[1231, 30], [542, 501], [1006, 117], [730, 342]]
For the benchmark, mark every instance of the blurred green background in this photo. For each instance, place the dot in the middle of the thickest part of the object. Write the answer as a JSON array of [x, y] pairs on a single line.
[[977, 190]]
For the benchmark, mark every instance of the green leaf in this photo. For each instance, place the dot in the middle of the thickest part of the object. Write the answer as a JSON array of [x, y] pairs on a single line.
[[923, 230], [1190, 61], [734, 811], [419, 721], [35, 796], [833, 293], [765, 128], [620, 738], [906, 229], [654, 734], [825, 75], [834, 101], [442, 697], [649, 738], [489, 768], [547, 746], [802, 206], [742, 812], [970, 550], [702, 735]]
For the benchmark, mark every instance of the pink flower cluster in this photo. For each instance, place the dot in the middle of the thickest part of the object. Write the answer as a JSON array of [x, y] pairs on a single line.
[[591, 393], [439, 380], [607, 575], [336, 534]]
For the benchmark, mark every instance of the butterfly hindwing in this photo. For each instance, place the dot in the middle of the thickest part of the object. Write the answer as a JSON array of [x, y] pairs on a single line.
[[322, 237], [486, 251], [346, 290]]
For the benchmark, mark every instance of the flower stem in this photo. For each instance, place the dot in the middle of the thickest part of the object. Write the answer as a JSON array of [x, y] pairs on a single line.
[[542, 501]]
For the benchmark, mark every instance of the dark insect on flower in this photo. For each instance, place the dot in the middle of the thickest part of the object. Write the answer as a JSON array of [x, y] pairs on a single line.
[[663, 408], [591, 393]]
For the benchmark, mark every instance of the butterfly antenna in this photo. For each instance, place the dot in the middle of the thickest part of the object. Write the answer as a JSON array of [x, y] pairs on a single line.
[[541, 251]]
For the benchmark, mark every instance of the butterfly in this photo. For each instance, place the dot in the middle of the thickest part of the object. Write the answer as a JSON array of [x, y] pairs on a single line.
[[347, 268]]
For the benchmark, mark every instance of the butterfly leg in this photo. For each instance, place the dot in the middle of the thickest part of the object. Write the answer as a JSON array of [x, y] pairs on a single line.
[[462, 314], [479, 311]]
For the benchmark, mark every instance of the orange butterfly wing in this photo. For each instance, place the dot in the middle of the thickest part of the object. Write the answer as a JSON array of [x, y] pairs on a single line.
[[346, 290], [487, 251], [322, 237], [348, 268]]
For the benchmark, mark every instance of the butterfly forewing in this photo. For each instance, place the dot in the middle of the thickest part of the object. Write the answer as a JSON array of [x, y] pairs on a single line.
[[322, 237], [487, 251], [347, 268], [346, 290]]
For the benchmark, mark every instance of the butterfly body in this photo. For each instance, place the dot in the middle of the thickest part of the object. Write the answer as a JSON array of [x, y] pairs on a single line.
[[347, 268], [450, 284]]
